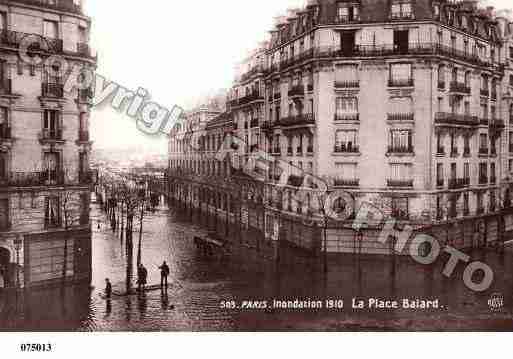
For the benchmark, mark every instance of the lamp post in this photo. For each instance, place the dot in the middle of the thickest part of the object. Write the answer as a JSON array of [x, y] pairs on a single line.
[[17, 246]]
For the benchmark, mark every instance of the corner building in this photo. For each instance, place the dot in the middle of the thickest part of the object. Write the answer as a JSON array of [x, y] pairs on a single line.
[[45, 180], [405, 105]]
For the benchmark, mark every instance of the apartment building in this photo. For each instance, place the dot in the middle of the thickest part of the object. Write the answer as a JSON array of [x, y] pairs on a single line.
[[405, 105], [45, 180]]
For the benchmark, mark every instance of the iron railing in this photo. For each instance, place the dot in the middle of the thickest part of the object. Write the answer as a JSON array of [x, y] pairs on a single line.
[[298, 120], [338, 182], [399, 183], [446, 118], [51, 135], [347, 117], [346, 148], [458, 183], [400, 117], [33, 179]]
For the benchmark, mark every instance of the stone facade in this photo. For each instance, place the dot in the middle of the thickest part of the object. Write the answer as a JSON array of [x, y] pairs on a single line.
[[408, 108], [45, 178]]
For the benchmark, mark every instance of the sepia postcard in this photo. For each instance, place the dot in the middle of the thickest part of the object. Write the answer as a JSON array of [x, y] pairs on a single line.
[[280, 166]]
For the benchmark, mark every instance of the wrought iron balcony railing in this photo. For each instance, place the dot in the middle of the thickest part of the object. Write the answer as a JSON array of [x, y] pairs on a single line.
[[403, 117], [485, 92], [400, 150], [54, 90], [340, 182], [62, 5], [347, 117], [458, 183], [346, 148], [347, 84], [458, 87], [483, 179], [33, 179], [298, 120], [400, 83], [446, 118], [399, 183], [401, 16], [51, 135], [484, 151]]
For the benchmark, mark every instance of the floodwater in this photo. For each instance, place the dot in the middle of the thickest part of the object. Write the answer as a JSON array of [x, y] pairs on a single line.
[[200, 287]]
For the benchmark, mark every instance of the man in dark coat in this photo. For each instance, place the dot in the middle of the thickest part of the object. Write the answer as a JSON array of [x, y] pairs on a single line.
[[164, 273]]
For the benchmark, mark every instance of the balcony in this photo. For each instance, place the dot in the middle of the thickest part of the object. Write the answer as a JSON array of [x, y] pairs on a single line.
[[399, 183], [497, 124], [459, 88], [249, 98], [440, 151], [459, 183], [406, 150], [49, 136], [298, 120], [485, 92], [346, 19], [440, 183], [483, 122], [346, 148], [84, 49], [52, 90], [38, 43], [401, 117], [452, 119], [347, 84], [347, 117], [346, 182], [400, 83], [5, 132], [33, 179], [297, 91]]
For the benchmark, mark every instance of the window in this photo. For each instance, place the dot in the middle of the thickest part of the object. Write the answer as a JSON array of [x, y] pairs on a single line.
[[440, 174], [483, 172], [345, 107], [483, 140], [441, 76], [4, 165], [401, 75], [468, 77], [466, 171], [400, 172], [401, 41], [346, 141], [401, 10], [347, 13], [440, 104], [401, 141], [400, 207], [52, 212], [50, 29], [3, 21], [346, 171], [401, 105], [346, 76]]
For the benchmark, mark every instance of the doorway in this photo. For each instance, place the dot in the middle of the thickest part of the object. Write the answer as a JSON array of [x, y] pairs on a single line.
[[401, 40], [348, 43]]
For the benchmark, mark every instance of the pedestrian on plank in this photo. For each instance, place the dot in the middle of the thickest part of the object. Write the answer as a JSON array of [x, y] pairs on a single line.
[[108, 288], [164, 273]]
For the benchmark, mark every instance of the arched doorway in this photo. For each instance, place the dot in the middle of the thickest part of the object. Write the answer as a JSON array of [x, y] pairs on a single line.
[[5, 260]]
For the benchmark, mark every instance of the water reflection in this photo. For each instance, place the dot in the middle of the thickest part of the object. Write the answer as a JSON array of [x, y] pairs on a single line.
[[198, 285]]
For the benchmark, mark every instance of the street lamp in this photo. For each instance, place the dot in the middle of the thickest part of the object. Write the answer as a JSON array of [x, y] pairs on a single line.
[[17, 246]]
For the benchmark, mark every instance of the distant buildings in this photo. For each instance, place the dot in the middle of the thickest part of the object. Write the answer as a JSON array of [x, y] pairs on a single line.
[[406, 105], [45, 180]]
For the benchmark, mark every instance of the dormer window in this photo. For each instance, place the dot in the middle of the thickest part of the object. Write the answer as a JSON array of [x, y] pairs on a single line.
[[401, 10]]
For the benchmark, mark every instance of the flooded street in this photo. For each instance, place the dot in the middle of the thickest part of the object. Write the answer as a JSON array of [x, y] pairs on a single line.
[[200, 286]]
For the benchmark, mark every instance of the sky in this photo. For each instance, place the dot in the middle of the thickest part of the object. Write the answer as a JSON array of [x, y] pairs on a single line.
[[177, 50]]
